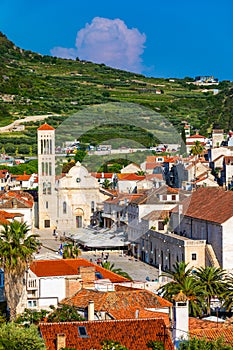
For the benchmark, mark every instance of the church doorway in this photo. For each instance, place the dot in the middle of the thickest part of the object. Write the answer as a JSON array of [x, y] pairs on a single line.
[[79, 221], [79, 217]]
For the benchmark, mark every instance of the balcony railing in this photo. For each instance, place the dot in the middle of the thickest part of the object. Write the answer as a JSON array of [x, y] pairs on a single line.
[[32, 284]]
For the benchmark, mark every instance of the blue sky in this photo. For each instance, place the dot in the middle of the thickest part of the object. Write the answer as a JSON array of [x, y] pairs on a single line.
[[159, 38]]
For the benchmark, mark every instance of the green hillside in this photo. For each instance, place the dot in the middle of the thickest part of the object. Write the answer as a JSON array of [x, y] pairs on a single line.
[[32, 84]]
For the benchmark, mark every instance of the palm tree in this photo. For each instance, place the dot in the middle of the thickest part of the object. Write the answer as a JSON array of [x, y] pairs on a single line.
[[69, 251], [108, 266], [182, 279], [107, 184], [16, 252], [211, 279], [179, 272], [140, 173], [228, 294]]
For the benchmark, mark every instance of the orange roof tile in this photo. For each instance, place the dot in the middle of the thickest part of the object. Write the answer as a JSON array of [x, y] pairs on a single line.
[[152, 165], [3, 173], [196, 136], [120, 303], [228, 160], [130, 177], [45, 127], [133, 334], [46, 268], [151, 159], [23, 199], [122, 196], [154, 176], [23, 177], [102, 175], [156, 215]]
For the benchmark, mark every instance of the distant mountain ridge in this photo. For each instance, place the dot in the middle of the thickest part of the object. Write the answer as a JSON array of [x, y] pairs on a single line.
[[32, 84]]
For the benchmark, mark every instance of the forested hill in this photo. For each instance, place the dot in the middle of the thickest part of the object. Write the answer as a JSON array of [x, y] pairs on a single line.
[[32, 84]]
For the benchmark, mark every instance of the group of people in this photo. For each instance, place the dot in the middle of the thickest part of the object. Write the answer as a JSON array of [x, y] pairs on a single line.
[[103, 258]]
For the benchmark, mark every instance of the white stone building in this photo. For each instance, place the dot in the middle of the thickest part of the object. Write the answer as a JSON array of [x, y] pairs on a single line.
[[208, 215]]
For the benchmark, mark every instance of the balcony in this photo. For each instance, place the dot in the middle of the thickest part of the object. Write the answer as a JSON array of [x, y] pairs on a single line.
[[32, 284]]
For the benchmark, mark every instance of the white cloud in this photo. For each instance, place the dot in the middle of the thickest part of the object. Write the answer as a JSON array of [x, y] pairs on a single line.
[[64, 52], [107, 41]]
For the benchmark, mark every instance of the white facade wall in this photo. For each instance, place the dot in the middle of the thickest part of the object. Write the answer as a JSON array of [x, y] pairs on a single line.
[[131, 168], [79, 192], [127, 186], [227, 245], [229, 173], [202, 230], [216, 152], [51, 289], [28, 214]]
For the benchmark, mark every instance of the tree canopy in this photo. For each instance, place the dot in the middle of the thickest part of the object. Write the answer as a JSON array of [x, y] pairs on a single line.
[[17, 337], [17, 247]]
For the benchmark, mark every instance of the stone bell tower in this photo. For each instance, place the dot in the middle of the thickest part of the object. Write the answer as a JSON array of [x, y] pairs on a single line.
[[47, 198]]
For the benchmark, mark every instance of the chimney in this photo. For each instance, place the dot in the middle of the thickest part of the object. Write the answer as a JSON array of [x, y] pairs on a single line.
[[14, 203], [61, 341], [180, 330], [91, 311], [137, 314]]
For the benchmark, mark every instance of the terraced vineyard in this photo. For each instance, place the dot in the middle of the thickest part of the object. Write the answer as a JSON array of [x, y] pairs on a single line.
[[31, 84]]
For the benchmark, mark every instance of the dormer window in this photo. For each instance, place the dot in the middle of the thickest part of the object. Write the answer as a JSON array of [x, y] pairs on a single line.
[[82, 332]]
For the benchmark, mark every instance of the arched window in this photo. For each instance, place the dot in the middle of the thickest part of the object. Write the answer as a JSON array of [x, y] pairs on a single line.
[[50, 146], [41, 147], [64, 207], [46, 168], [50, 168], [49, 188], [44, 187]]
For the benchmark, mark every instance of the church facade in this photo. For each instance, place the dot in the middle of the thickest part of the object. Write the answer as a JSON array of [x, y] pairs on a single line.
[[68, 203]]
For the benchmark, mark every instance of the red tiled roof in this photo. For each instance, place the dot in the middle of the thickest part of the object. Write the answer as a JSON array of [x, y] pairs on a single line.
[[228, 160], [211, 330], [46, 268], [221, 156], [45, 127], [156, 215], [197, 136], [210, 204], [4, 216], [151, 159], [130, 177], [22, 199], [121, 304], [122, 196], [152, 176], [152, 165], [133, 334], [3, 173], [23, 177], [102, 175], [9, 215], [193, 143]]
